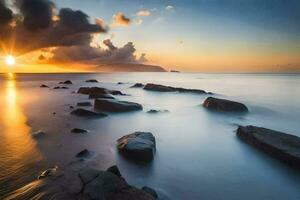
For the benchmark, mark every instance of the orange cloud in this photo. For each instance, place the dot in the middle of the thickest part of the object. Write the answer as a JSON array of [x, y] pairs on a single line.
[[143, 13], [120, 19]]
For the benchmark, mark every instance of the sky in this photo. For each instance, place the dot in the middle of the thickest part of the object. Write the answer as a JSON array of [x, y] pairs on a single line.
[[189, 35]]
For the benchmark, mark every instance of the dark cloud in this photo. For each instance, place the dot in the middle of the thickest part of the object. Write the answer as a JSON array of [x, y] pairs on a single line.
[[6, 14], [98, 55]]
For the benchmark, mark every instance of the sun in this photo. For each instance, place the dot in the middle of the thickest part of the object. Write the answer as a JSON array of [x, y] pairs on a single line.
[[10, 60]]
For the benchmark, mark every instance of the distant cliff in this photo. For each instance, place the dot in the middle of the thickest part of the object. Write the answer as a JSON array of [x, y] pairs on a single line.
[[129, 67]]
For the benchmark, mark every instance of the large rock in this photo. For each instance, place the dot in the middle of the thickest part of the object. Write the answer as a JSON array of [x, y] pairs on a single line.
[[100, 96], [87, 113], [67, 82], [224, 105], [163, 88], [98, 91], [138, 85], [280, 145], [139, 146], [111, 105], [91, 81], [84, 103]]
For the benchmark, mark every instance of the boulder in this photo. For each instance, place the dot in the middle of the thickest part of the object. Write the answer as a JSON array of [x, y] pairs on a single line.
[[224, 105], [78, 130], [44, 86], [91, 81], [111, 105], [279, 145], [138, 85], [162, 88], [84, 154], [115, 170], [85, 103], [98, 91], [87, 113], [139, 146], [67, 82], [116, 92], [150, 191]]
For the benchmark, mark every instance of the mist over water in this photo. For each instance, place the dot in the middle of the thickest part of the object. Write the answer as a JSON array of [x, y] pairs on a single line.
[[198, 154]]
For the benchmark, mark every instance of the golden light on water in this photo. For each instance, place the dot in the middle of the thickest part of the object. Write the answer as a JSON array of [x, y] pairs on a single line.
[[10, 60]]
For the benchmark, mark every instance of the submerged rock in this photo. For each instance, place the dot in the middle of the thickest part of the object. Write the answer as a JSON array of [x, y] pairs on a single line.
[[48, 172], [85, 103], [91, 81], [279, 145], [138, 85], [120, 83], [38, 134], [224, 105], [84, 154], [150, 191], [78, 130], [67, 82], [110, 105], [58, 87], [87, 113], [44, 86], [100, 96], [139, 146], [162, 88], [153, 111]]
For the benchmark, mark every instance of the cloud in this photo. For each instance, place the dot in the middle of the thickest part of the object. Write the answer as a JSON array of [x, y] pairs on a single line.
[[120, 19], [143, 13], [35, 27], [170, 8], [98, 55]]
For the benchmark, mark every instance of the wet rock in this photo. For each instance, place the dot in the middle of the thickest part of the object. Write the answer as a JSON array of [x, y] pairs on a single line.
[[58, 87], [279, 145], [138, 85], [150, 191], [176, 71], [120, 83], [116, 92], [224, 105], [84, 154], [110, 105], [162, 88], [48, 172], [79, 130], [67, 82], [87, 113], [100, 96], [44, 86], [153, 111], [139, 146], [98, 91], [38, 134], [91, 81], [115, 170], [71, 107], [85, 103]]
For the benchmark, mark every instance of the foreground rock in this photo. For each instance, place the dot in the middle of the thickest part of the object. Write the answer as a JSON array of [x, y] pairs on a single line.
[[49, 172], [139, 146], [138, 85], [280, 145], [87, 113], [150, 191], [224, 105], [86, 184], [162, 88], [110, 105], [85, 103], [91, 81], [67, 82]]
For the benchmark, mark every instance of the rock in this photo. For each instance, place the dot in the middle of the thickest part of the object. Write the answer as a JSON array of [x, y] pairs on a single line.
[[85, 103], [91, 81], [48, 172], [58, 87], [115, 170], [116, 92], [153, 111], [71, 107], [44, 86], [176, 71], [78, 130], [38, 134], [120, 83], [150, 191], [100, 96], [279, 145], [138, 85], [83, 154], [224, 105], [87, 113], [67, 82], [98, 91], [111, 105], [139, 146], [162, 88]]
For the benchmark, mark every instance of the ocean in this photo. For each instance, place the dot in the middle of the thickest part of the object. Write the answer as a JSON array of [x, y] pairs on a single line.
[[198, 154]]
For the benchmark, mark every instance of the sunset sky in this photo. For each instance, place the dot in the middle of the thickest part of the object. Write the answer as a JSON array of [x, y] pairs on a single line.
[[189, 35]]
